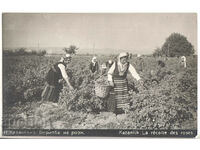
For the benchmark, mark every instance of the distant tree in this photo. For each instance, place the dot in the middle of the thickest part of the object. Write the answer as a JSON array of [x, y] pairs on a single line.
[[177, 45], [21, 51], [71, 49], [33, 52], [43, 52], [157, 52]]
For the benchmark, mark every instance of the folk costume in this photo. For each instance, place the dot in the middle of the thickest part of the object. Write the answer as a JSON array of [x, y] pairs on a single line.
[[183, 61], [52, 85], [118, 100], [94, 66]]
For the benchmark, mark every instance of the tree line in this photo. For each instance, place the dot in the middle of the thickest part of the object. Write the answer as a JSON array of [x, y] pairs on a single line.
[[23, 51], [174, 46]]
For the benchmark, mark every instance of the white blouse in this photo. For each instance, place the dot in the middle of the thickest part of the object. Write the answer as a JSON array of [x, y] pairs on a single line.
[[131, 69], [63, 71]]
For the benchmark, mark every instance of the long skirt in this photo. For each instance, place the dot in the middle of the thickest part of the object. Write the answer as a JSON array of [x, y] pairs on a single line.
[[51, 93], [118, 99]]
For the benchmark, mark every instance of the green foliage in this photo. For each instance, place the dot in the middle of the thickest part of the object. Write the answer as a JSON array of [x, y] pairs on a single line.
[[171, 104], [157, 52], [71, 49], [83, 97], [177, 45], [23, 51], [165, 106], [23, 78]]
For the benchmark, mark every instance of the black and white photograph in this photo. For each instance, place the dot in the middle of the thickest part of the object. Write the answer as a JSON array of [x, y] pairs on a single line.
[[99, 74]]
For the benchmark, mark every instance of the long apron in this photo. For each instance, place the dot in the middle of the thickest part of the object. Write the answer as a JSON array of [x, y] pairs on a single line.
[[118, 99], [51, 93], [52, 87]]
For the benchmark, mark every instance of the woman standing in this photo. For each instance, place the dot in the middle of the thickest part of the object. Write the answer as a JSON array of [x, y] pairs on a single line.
[[103, 69], [183, 61], [57, 72], [117, 77], [94, 66], [109, 63]]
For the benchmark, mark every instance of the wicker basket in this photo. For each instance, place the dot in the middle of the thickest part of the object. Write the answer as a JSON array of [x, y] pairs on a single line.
[[101, 90]]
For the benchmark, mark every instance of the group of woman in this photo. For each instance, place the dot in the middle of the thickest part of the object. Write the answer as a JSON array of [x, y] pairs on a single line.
[[116, 75], [94, 66], [118, 101]]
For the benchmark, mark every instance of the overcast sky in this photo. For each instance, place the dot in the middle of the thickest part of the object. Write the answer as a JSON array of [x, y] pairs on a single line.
[[140, 33]]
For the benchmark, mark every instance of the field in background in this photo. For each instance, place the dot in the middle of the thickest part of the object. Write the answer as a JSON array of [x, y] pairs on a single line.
[[170, 104]]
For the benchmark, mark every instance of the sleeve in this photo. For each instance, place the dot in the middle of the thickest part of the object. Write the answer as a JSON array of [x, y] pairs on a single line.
[[110, 72], [62, 69], [133, 72]]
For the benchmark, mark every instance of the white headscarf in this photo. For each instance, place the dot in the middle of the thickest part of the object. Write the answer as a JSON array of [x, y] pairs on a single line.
[[183, 58], [110, 61], [64, 57], [103, 66], [94, 58], [122, 67], [68, 55]]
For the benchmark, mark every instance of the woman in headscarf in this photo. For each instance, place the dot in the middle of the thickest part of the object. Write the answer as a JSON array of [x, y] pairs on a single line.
[[109, 63], [94, 66], [56, 72], [183, 61], [103, 69], [117, 77]]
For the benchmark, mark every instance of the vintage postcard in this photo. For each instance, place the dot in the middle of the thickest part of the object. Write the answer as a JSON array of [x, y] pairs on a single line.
[[99, 75]]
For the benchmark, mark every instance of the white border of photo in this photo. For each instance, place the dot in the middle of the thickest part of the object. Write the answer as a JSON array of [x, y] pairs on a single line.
[[92, 6]]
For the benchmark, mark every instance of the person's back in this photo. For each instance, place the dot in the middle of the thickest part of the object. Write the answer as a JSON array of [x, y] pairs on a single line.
[[161, 70], [54, 74], [52, 85]]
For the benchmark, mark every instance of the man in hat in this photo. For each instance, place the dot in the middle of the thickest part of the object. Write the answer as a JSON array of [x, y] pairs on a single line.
[[56, 72]]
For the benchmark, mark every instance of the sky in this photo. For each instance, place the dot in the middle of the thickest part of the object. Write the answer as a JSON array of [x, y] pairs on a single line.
[[133, 32]]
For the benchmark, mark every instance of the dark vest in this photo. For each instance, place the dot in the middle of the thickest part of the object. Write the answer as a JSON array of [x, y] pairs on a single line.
[[116, 72], [54, 74], [95, 67], [108, 64]]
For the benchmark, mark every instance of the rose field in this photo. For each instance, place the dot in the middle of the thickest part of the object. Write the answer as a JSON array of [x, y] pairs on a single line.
[[169, 103]]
